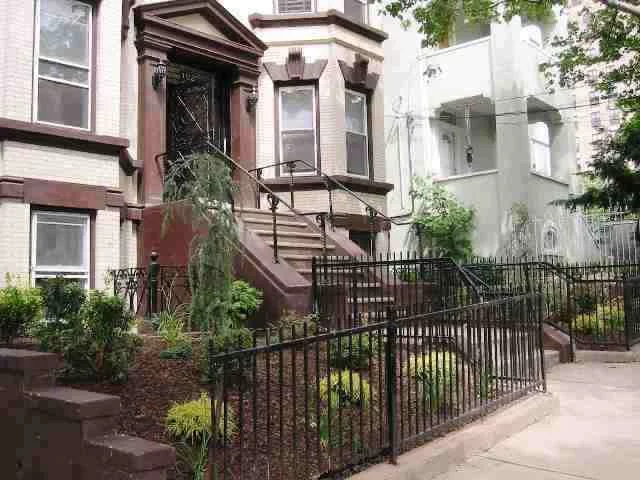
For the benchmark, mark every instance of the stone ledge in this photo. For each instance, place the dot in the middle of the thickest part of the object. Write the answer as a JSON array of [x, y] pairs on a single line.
[[597, 356], [73, 404], [438, 456], [129, 453], [27, 361]]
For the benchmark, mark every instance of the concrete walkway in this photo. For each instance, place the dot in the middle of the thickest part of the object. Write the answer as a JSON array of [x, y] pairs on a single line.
[[594, 435]]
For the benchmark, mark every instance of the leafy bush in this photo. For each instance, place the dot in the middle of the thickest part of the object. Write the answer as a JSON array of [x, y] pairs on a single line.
[[63, 299], [188, 425], [245, 301], [19, 309], [229, 341], [345, 388], [435, 374], [181, 351], [100, 346], [170, 329], [290, 322], [603, 319], [353, 356], [446, 224]]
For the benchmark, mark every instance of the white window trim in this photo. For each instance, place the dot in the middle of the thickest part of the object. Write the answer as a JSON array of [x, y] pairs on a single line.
[[311, 88], [278, 12], [37, 76], [51, 271], [366, 134]]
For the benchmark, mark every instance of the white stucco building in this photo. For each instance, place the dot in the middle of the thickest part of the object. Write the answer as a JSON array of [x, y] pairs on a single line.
[[482, 90]]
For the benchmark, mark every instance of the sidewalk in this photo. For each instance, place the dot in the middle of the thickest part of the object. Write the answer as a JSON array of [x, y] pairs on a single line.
[[594, 435]]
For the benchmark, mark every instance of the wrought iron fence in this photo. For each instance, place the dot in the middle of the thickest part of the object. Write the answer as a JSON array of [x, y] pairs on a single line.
[[632, 309], [351, 291], [586, 301], [313, 406], [150, 290]]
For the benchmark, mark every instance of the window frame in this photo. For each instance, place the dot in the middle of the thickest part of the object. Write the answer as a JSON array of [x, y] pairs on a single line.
[[365, 12], [548, 164], [278, 12], [314, 99], [90, 69], [52, 271], [367, 133]]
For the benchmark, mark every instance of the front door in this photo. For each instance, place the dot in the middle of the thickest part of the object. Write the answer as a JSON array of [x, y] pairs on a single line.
[[197, 111]]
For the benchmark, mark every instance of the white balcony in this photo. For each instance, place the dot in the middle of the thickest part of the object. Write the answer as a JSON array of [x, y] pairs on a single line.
[[463, 71]]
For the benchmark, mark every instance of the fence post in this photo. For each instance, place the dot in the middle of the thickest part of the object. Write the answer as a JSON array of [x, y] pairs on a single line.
[[152, 296], [539, 325], [627, 295], [390, 363]]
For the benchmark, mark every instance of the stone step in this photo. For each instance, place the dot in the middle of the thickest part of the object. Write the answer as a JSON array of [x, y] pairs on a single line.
[[289, 234], [267, 223], [300, 245], [551, 359], [129, 454], [297, 260], [263, 212], [72, 403]]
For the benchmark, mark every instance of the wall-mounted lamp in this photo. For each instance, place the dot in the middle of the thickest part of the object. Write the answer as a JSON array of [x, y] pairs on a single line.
[[159, 73], [252, 99]]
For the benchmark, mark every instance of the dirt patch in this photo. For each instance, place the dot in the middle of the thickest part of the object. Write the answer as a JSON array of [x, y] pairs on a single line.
[[154, 384]]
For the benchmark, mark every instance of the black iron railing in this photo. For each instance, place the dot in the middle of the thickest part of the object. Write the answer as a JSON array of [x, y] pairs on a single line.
[[152, 289], [302, 406], [589, 302], [374, 215], [349, 291], [632, 310]]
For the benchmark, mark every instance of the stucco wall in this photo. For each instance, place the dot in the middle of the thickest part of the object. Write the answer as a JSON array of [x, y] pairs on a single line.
[[14, 239]]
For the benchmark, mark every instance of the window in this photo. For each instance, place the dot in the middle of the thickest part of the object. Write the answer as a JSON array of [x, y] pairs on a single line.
[[298, 126], [595, 120], [357, 138], [294, 6], [63, 59], [356, 10], [540, 148], [614, 119], [60, 245], [550, 241], [594, 98]]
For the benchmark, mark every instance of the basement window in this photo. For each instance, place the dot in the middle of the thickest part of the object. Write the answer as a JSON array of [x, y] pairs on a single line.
[[294, 6], [60, 246]]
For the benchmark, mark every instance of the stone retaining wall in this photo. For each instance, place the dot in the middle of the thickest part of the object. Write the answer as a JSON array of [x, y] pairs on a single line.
[[58, 433]]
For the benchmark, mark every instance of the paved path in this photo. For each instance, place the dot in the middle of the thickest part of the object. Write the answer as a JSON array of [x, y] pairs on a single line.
[[595, 434]]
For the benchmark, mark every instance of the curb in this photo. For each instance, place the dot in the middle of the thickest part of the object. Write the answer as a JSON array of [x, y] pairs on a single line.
[[438, 456], [597, 356]]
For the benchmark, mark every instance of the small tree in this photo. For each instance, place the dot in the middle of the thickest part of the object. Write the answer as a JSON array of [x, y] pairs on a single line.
[[201, 187], [446, 225]]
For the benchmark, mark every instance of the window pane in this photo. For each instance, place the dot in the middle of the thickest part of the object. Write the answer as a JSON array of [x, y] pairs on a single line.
[[294, 6], [297, 109], [64, 30], [355, 107], [299, 146], [70, 74], [64, 104], [355, 10], [357, 154], [59, 242]]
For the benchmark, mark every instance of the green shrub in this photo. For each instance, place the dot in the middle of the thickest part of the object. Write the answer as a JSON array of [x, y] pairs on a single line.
[[355, 356], [435, 374], [180, 351], [19, 309], [245, 301], [232, 340], [62, 298], [602, 320], [345, 388], [100, 346], [171, 328], [290, 322], [188, 425]]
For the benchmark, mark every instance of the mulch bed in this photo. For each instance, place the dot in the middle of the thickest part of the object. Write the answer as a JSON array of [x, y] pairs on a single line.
[[153, 386]]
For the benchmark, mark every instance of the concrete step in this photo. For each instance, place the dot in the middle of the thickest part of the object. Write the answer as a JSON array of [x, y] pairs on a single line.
[[551, 359], [289, 234], [266, 223], [300, 246], [264, 212], [297, 260]]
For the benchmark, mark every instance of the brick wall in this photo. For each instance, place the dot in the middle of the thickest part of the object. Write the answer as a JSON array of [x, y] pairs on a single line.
[[14, 239], [63, 433]]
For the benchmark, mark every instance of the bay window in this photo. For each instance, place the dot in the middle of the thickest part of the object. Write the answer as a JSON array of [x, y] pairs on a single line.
[[60, 246], [298, 126], [63, 63], [357, 133], [294, 6], [540, 148]]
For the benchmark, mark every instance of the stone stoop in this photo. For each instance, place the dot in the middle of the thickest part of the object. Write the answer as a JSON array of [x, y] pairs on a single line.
[[551, 359], [554, 339], [64, 433]]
